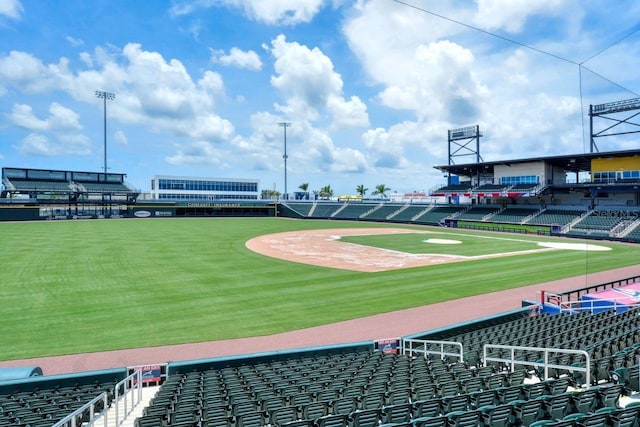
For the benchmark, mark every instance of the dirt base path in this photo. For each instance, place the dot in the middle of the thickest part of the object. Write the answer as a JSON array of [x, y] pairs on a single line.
[[386, 325]]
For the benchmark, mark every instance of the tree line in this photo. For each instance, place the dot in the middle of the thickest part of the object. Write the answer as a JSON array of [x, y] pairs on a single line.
[[327, 192]]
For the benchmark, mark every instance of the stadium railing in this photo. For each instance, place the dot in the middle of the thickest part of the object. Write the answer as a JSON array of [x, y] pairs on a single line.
[[511, 360], [433, 347]]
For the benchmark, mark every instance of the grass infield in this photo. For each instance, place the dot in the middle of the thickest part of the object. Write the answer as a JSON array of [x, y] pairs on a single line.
[[82, 286]]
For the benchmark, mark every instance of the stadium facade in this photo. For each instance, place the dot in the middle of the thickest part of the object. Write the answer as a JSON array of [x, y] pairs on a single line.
[[166, 187]]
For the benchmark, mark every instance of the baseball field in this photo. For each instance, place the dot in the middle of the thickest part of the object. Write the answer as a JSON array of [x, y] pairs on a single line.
[[83, 286]]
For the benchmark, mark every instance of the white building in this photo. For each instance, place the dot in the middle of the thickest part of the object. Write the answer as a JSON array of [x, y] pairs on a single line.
[[198, 189]]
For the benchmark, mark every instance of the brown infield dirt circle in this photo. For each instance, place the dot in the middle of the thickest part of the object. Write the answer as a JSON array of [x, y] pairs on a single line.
[[322, 247]]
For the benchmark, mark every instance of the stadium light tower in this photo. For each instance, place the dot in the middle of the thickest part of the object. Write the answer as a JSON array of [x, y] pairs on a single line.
[[285, 125], [105, 96]]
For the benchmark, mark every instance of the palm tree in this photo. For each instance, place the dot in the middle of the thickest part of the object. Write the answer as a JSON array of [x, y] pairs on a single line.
[[381, 190], [326, 192], [269, 194], [304, 186], [361, 190]]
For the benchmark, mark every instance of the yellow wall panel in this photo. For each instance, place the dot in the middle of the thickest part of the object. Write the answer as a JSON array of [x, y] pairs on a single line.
[[615, 164]]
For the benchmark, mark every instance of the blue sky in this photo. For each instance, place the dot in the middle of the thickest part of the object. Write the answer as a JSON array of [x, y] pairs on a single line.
[[370, 87]]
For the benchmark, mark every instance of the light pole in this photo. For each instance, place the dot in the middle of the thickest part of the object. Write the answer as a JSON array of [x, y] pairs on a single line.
[[285, 125], [110, 96]]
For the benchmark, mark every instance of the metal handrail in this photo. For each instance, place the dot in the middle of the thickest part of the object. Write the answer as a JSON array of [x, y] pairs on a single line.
[[130, 397], [512, 361], [408, 348], [75, 418]]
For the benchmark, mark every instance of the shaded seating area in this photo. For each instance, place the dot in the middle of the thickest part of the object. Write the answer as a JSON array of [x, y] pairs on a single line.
[[490, 188], [454, 188], [104, 187], [29, 185], [44, 407]]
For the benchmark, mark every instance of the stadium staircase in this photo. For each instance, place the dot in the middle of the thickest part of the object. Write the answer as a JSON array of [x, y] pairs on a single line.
[[313, 209], [633, 227], [402, 209], [372, 210], [128, 420], [340, 209]]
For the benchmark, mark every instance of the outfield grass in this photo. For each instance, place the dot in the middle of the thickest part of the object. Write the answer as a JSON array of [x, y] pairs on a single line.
[[79, 286]]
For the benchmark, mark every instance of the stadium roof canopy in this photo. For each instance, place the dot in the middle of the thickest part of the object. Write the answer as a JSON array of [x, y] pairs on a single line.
[[570, 163]]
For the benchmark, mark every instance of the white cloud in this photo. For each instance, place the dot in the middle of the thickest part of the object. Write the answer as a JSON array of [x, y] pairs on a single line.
[[448, 76], [237, 58], [27, 72], [273, 12], [56, 135], [85, 57], [347, 113], [74, 41], [121, 138], [60, 119], [307, 80], [150, 91], [511, 15], [41, 145], [196, 153], [11, 8]]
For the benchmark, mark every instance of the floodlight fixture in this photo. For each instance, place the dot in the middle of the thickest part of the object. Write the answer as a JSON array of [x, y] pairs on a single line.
[[615, 107], [285, 125], [105, 96]]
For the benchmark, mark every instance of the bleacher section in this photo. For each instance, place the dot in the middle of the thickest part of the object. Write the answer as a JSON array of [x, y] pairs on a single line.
[[40, 185], [522, 188], [407, 215], [382, 212], [43, 407], [591, 227], [611, 339], [368, 389], [437, 214], [490, 188], [556, 217], [477, 213], [514, 215], [353, 210], [103, 187], [301, 209], [454, 188], [634, 235], [324, 209]]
